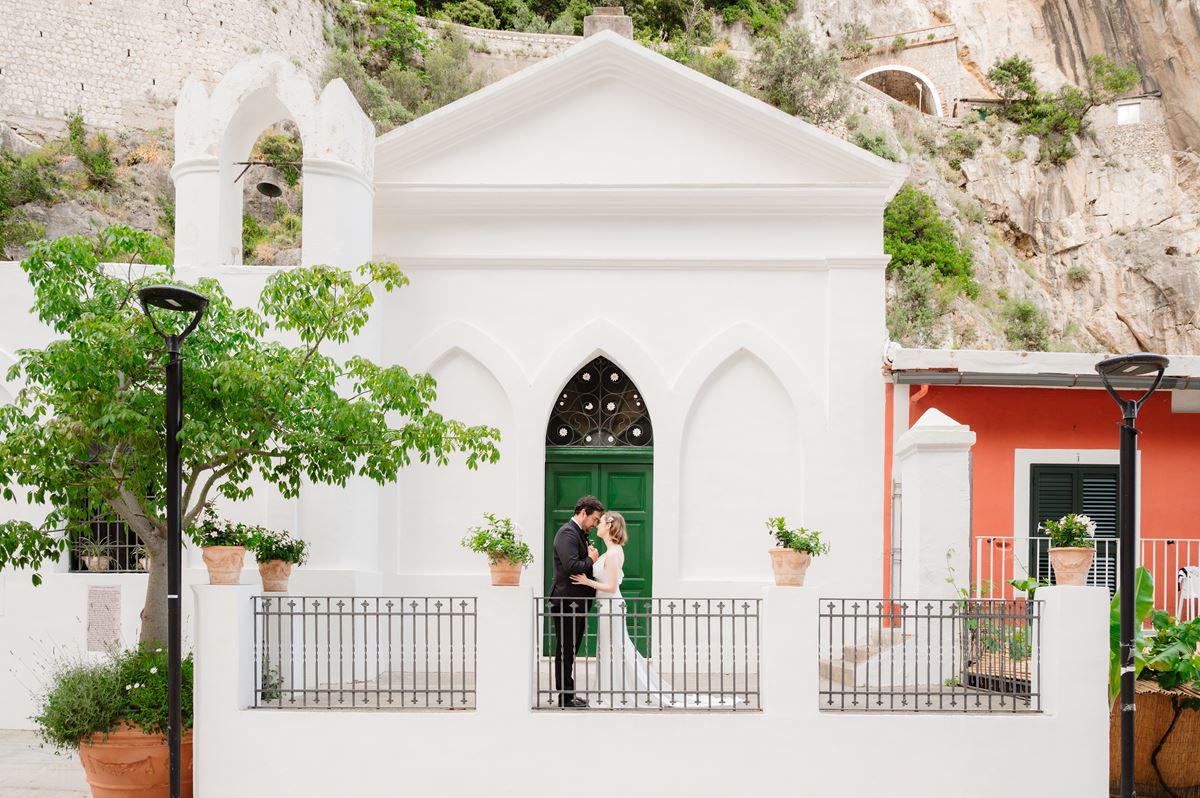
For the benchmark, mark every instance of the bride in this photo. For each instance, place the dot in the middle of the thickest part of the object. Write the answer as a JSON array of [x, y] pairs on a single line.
[[626, 677]]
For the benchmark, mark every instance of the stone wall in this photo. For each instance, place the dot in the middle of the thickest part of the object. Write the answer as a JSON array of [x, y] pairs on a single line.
[[934, 59], [122, 62]]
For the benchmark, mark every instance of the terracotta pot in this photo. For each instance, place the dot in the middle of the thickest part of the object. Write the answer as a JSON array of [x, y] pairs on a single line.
[[224, 564], [789, 566], [96, 563], [1071, 565], [275, 575], [132, 764], [506, 573]]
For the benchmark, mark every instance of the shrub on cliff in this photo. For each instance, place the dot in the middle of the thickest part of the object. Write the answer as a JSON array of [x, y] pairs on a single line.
[[915, 232], [793, 73]]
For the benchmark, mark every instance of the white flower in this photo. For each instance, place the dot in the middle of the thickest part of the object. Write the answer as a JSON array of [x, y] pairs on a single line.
[[129, 687], [158, 651], [154, 670]]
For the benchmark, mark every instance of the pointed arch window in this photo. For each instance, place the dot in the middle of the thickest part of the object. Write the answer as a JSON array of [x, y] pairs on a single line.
[[600, 406]]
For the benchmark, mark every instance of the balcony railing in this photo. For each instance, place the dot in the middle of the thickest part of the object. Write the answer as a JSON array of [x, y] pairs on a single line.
[[650, 653], [929, 655], [355, 652], [1173, 562]]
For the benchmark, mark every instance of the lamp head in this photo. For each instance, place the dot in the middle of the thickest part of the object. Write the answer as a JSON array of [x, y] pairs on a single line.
[[1141, 364], [1132, 371], [176, 300], [171, 297]]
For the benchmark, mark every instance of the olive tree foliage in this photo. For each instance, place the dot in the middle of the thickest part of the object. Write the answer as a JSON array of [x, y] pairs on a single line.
[[85, 435], [795, 74]]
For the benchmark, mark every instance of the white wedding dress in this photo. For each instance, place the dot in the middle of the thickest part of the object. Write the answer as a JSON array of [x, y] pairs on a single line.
[[625, 677]]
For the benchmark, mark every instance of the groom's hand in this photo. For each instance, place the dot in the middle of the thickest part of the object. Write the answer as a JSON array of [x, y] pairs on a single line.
[[593, 555]]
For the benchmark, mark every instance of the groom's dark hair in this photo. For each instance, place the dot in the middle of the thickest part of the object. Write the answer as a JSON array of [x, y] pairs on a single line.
[[590, 504]]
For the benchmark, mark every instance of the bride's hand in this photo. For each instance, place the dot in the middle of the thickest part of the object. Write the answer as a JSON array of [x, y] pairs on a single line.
[[579, 579]]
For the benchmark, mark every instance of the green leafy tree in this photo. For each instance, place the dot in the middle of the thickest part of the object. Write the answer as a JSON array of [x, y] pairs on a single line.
[[474, 13], [1108, 80], [793, 73], [86, 429], [399, 36], [1013, 80], [914, 231]]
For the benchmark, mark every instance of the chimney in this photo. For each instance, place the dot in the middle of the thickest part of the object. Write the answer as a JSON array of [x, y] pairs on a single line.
[[608, 18]]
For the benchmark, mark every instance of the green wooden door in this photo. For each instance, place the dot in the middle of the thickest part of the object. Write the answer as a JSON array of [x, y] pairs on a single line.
[[622, 480], [1092, 490]]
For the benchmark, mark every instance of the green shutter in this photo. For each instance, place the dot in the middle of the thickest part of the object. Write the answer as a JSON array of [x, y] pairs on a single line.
[[1056, 490]]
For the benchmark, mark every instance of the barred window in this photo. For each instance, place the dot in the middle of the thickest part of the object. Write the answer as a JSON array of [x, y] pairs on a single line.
[[107, 545]]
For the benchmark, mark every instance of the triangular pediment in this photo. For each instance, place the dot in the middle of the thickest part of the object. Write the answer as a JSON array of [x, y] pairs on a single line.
[[611, 112]]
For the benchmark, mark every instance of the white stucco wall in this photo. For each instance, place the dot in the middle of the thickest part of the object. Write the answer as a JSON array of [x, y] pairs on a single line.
[[504, 746]]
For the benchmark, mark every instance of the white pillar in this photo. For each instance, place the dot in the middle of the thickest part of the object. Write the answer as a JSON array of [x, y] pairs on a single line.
[[338, 208], [223, 684], [503, 684], [197, 194], [1074, 671], [788, 677], [934, 464]]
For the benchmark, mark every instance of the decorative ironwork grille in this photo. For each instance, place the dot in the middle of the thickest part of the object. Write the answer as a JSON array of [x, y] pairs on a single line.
[[600, 406], [930, 655], [347, 652], [701, 655]]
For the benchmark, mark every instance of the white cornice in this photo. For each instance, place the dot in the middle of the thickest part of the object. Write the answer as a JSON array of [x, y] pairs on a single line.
[[683, 263], [414, 199]]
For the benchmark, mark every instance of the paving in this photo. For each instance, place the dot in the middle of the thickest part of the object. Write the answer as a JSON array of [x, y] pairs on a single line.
[[29, 771]]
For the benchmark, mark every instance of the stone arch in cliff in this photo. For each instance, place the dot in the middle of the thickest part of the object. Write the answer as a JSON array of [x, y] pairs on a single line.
[[906, 85]]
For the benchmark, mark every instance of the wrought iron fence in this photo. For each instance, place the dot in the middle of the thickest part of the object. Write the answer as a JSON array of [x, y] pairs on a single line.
[[647, 653], [332, 652], [923, 655]]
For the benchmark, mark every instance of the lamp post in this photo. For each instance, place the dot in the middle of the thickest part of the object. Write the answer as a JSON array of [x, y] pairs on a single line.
[[1132, 370], [179, 300]]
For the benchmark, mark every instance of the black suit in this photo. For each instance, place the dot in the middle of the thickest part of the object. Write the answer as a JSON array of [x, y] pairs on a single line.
[[569, 604]]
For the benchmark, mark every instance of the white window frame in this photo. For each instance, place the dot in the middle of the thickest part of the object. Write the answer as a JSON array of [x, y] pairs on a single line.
[[1025, 459]]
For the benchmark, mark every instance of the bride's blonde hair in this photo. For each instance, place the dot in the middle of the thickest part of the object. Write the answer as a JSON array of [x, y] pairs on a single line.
[[616, 528]]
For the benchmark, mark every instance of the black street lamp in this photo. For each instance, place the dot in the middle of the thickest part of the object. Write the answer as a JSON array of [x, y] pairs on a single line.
[[1129, 371], [172, 298]]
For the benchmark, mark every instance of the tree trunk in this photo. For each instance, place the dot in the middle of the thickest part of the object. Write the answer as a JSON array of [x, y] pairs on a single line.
[[154, 612]]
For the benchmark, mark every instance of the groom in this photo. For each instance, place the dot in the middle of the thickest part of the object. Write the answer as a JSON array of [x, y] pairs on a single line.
[[570, 603]]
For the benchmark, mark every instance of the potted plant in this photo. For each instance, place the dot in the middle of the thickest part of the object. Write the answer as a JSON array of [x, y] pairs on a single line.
[[276, 553], [794, 551], [1072, 547], [141, 557], [94, 554], [115, 713], [507, 552], [223, 546]]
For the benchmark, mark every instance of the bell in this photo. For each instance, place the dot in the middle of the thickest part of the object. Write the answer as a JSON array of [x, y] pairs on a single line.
[[270, 183]]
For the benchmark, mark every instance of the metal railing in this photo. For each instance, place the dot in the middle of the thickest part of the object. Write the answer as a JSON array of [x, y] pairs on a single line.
[[332, 652], [929, 655], [685, 654], [1173, 562]]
